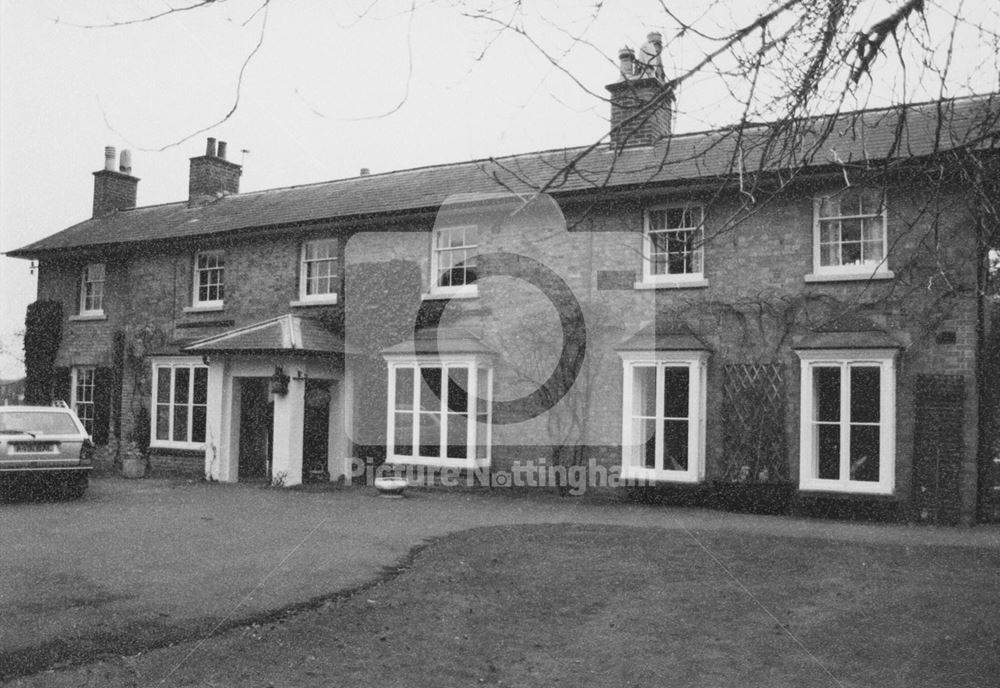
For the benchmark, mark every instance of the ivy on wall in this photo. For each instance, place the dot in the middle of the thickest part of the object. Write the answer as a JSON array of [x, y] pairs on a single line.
[[42, 336]]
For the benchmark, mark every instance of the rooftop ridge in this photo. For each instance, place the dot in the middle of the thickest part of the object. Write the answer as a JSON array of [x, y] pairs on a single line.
[[693, 155], [574, 149]]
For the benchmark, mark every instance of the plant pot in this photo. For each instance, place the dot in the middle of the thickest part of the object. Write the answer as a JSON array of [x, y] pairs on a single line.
[[390, 487], [753, 498], [134, 467]]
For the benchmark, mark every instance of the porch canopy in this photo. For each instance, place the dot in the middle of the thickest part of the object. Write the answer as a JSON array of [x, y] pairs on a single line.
[[664, 337], [260, 419], [286, 334]]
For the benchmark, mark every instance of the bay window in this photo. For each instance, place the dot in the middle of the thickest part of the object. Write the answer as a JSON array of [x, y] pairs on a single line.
[[83, 381], [848, 421], [439, 412], [180, 400], [663, 415]]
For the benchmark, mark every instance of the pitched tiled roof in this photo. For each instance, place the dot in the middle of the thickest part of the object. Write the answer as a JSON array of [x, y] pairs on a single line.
[[858, 137], [441, 341], [287, 333]]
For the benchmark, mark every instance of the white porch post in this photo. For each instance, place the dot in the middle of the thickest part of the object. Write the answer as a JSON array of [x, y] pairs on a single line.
[[289, 413], [220, 464], [346, 428]]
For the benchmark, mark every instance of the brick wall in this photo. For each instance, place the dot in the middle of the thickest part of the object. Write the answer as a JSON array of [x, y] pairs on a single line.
[[755, 305]]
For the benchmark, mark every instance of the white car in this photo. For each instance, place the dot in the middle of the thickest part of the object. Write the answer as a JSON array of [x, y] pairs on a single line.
[[45, 446]]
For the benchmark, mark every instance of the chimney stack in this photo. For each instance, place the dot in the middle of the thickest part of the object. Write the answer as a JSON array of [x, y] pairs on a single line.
[[114, 189], [212, 176], [634, 122]]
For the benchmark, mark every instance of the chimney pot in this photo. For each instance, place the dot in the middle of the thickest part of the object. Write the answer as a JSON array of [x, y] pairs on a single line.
[[125, 163], [109, 158], [222, 149], [365, 171], [650, 57], [626, 61], [210, 147]]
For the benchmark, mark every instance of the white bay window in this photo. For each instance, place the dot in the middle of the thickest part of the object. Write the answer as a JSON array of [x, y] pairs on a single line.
[[663, 415], [180, 402], [848, 417], [439, 412]]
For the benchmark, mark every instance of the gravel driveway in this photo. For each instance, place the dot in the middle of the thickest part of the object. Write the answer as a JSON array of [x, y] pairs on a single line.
[[138, 564]]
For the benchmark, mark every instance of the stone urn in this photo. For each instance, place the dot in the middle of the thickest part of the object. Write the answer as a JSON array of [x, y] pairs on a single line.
[[134, 463], [390, 487]]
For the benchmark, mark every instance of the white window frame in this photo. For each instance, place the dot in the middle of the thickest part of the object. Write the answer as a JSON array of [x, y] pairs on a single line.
[[885, 360], [196, 300], [89, 284], [472, 364], [173, 364], [672, 279], [862, 271], [304, 277], [696, 362], [83, 380], [472, 250]]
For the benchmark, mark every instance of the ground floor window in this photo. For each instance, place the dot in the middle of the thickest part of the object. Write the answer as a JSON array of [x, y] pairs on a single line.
[[663, 415], [848, 421], [180, 398], [439, 412], [82, 395]]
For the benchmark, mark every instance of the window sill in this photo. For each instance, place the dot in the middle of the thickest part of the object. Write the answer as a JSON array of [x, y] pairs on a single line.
[[305, 303], [849, 276], [216, 308], [652, 475], [190, 447], [437, 462], [699, 283], [823, 488], [83, 317], [443, 296], [162, 450]]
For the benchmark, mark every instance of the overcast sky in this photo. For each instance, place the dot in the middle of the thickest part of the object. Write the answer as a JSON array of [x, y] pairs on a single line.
[[328, 93]]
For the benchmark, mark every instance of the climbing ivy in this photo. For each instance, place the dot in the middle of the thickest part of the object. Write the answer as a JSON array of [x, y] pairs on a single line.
[[42, 335]]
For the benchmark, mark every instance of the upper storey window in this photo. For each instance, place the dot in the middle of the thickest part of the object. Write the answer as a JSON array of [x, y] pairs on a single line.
[[209, 279], [849, 235], [318, 276], [92, 290], [453, 260], [673, 246]]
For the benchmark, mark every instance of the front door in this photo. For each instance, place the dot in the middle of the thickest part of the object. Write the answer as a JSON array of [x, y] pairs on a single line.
[[316, 430], [256, 424]]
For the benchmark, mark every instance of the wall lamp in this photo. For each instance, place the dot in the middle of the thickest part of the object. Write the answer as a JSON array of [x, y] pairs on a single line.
[[279, 382]]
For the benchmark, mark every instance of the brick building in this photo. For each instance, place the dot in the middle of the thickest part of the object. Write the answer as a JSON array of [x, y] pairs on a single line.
[[801, 303]]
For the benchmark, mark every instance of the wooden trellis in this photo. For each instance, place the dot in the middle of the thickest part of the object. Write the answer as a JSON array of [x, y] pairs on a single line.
[[753, 415]]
